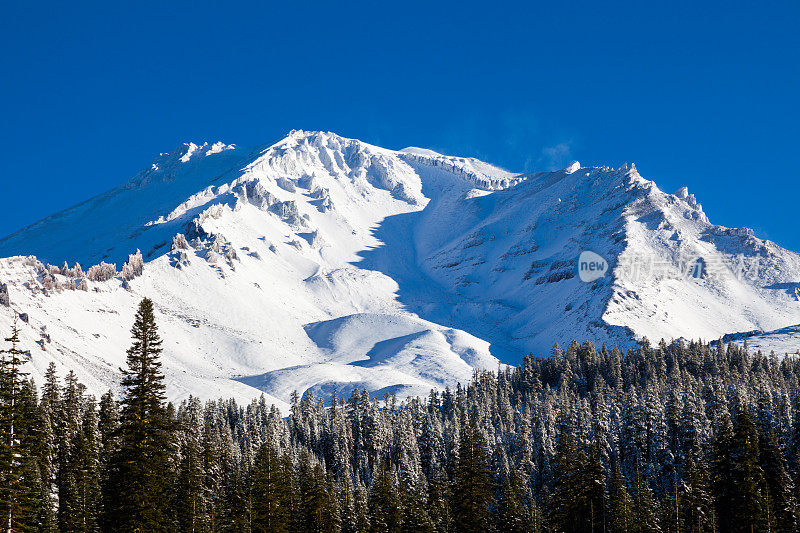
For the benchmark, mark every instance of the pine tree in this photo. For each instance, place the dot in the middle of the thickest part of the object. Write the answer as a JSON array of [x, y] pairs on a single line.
[[414, 509], [318, 510], [191, 498], [347, 506], [782, 506], [85, 467], [723, 482], [579, 485], [46, 448], [31, 432], [512, 515], [69, 430], [696, 502], [621, 505], [269, 492], [212, 450], [20, 479], [440, 499], [473, 496], [644, 506], [138, 491], [108, 447], [593, 483], [738, 478], [748, 478], [292, 500], [384, 505], [235, 509]]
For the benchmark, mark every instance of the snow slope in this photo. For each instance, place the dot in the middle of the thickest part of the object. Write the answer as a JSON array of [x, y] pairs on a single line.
[[781, 341], [322, 261]]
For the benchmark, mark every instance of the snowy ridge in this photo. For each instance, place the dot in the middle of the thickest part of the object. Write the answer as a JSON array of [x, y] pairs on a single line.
[[321, 260], [481, 175], [737, 291], [781, 341]]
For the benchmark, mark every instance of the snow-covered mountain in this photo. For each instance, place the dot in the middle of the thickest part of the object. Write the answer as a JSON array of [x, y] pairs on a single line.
[[321, 260]]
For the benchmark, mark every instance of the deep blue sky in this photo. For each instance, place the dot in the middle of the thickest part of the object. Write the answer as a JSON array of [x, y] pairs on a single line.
[[701, 94]]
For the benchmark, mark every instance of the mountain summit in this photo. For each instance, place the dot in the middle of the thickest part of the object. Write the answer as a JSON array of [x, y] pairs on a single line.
[[322, 261]]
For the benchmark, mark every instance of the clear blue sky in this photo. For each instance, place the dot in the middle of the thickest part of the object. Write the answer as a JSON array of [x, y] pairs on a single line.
[[702, 94]]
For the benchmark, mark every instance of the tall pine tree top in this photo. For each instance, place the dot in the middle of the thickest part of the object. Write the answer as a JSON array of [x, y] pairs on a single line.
[[142, 380], [138, 494], [15, 480]]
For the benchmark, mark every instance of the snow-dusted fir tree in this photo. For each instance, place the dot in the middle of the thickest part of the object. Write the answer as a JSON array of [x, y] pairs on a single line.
[[138, 465]]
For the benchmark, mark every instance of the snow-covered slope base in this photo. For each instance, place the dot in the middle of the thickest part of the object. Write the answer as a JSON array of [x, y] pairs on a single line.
[[781, 341], [322, 261]]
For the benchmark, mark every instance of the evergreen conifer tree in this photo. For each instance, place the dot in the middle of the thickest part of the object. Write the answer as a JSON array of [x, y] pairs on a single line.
[[473, 494], [620, 504], [384, 504], [749, 504], [269, 492], [138, 489], [17, 471], [696, 503]]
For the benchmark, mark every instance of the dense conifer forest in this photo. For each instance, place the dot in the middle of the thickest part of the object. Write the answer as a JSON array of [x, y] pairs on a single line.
[[679, 437]]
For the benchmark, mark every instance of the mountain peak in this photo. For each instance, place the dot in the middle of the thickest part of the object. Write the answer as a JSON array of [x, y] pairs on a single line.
[[165, 165], [321, 259]]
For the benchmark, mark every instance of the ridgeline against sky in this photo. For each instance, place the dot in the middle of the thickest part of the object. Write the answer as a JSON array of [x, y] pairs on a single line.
[[703, 96]]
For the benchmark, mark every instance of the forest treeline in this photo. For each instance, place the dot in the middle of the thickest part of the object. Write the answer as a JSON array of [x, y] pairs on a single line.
[[679, 437]]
